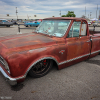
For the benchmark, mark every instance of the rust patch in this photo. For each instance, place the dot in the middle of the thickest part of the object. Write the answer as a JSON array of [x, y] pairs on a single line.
[[26, 41]]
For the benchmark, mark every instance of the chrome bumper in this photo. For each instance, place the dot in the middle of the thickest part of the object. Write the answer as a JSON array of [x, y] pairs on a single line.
[[12, 81]]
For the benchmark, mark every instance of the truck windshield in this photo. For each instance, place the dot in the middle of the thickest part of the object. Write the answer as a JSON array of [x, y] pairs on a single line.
[[56, 28]]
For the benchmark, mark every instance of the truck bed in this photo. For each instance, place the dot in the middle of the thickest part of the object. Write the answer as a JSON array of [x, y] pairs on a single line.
[[95, 33]]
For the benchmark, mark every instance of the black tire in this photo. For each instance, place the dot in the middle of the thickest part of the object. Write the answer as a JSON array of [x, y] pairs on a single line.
[[8, 25], [41, 68]]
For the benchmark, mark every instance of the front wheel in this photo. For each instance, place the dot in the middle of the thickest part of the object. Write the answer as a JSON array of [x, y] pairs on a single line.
[[41, 68]]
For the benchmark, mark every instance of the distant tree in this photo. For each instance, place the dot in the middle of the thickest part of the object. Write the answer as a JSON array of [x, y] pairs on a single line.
[[7, 14], [63, 16], [83, 16], [69, 14]]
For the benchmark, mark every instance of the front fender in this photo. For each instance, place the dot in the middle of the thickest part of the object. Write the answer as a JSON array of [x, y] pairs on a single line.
[[39, 59], [22, 62]]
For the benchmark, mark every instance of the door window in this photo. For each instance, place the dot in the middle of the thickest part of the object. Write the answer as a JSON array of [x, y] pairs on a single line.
[[77, 29]]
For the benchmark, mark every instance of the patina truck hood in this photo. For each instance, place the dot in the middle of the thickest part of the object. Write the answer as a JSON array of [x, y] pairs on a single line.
[[24, 42]]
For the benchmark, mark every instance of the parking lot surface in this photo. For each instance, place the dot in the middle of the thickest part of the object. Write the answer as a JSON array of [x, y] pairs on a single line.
[[77, 82]]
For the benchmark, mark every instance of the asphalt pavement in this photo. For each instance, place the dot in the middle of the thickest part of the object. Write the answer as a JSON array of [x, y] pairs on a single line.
[[77, 82]]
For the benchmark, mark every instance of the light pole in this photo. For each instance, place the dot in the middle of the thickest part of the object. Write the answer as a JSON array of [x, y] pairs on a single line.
[[90, 15], [16, 13], [96, 10], [99, 14], [28, 17], [85, 10], [60, 13]]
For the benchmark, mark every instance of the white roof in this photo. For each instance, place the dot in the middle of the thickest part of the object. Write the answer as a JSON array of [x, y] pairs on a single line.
[[94, 19], [22, 17], [3, 19]]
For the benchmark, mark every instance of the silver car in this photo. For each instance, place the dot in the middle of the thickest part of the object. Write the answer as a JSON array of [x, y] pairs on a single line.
[[4, 22], [96, 24]]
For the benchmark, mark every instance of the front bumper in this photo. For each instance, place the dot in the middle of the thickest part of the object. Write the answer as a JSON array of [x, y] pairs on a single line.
[[12, 81]]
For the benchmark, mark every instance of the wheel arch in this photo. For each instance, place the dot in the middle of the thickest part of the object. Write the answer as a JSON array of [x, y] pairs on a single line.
[[52, 58]]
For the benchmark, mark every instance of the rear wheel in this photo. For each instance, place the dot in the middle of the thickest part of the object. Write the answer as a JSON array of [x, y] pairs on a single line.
[[41, 68], [8, 25]]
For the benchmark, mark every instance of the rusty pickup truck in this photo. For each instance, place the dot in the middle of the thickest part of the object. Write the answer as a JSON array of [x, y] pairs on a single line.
[[61, 41]]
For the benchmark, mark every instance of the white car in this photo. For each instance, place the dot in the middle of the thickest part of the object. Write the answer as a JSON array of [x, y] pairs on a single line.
[[96, 24], [89, 23]]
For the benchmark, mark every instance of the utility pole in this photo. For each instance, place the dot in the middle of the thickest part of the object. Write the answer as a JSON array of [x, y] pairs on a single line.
[[97, 11], [85, 10], [90, 15], [60, 13], [29, 16], [16, 13], [99, 14]]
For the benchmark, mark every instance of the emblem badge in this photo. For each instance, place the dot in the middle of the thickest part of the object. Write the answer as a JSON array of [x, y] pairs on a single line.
[[62, 51]]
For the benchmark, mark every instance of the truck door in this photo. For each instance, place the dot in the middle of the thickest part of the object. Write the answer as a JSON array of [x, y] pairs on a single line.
[[77, 41]]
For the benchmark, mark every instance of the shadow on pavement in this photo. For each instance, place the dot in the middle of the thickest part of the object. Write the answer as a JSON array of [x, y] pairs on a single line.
[[97, 62], [17, 87]]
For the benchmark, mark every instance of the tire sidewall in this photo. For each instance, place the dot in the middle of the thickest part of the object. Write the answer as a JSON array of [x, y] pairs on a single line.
[[32, 74]]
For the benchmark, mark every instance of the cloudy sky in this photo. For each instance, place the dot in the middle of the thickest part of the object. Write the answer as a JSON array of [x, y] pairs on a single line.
[[49, 7]]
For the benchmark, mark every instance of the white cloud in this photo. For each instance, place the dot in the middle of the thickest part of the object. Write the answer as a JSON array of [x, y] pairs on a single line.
[[47, 7], [70, 2]]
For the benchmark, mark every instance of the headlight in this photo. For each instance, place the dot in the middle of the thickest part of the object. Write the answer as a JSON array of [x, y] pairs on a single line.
[[4, 64]]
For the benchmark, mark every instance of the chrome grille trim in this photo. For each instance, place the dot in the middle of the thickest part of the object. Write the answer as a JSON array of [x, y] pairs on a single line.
[[4, 63], [1, 61]]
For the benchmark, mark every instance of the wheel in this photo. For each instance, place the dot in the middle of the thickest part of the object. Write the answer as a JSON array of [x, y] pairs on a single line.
[[8, 25], [41, 68]]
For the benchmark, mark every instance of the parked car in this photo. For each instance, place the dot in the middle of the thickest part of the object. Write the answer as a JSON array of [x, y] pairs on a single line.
[[40, 20], [4, 22], [95, 24], [53, 42], [26, 22], [29, 24], [14, 22], [89, 23]]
